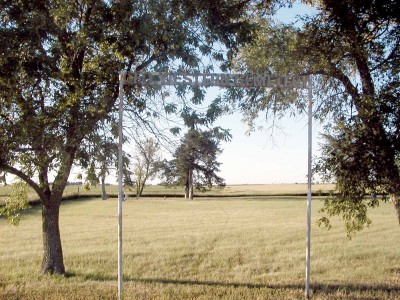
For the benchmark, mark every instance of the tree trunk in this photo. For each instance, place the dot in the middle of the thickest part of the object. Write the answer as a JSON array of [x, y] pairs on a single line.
[[187, 186], [137, 183], [190, 196], [186, 192], [395, 199], [141, 189], [104, 195], [53, 262]]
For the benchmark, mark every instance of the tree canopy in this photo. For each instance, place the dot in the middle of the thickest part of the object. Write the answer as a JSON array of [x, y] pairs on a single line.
[[59, 78], [352, 49]]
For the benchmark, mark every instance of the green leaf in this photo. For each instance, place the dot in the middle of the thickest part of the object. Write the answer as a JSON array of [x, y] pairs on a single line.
[[16, 203]]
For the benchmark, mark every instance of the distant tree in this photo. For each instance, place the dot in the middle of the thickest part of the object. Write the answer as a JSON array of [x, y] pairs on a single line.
[[99, 156], [146, 163], [353, 50], [59, 78], [194, 162]]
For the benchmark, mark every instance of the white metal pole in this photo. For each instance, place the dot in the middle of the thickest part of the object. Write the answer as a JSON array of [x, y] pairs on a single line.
[[120, 193], [308, 239]]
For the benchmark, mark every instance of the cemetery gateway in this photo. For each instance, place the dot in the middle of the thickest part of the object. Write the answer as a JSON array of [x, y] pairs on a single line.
[[209, 80]]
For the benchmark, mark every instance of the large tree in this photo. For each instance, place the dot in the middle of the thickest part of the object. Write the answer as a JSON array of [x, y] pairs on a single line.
[[353, 50], [59, 78], [194, 162]]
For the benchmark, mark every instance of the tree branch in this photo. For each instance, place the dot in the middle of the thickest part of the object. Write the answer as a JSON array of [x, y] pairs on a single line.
[[24, 177], [145, 63], [345, 80]]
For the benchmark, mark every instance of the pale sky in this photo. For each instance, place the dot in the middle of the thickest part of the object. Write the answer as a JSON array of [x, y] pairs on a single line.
[[259, 158], [255, 159]]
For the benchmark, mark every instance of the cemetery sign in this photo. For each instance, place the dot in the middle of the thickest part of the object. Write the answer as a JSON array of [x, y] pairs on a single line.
[[217, 79]]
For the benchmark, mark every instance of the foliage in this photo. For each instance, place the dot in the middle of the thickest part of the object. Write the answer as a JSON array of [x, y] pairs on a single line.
[[15, 203], [270, 53], [357, 184], [146, 163], [361, 149], [195, 161], [352, 49]]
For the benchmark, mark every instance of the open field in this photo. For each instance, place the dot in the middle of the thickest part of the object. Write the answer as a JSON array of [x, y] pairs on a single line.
[[209, 248]]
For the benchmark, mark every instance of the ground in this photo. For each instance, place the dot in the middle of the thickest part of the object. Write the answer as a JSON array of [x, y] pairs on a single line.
[[210, 248]]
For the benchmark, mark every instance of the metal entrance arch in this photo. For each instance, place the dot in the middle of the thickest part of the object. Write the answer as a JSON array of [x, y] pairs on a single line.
[[209, 80]]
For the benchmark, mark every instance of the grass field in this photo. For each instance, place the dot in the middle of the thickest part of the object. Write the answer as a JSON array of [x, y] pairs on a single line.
[[209, 248]]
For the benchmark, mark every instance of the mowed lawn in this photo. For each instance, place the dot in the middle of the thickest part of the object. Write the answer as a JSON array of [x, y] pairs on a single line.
[[209, 248]]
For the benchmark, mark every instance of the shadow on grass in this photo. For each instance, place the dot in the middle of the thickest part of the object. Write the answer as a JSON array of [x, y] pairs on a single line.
[[317, 288]]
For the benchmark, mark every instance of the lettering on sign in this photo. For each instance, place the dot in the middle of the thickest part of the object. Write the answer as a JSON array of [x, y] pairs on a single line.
[[215, 79]]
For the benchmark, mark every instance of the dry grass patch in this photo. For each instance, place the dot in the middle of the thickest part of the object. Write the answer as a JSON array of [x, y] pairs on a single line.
[[247, 248]]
